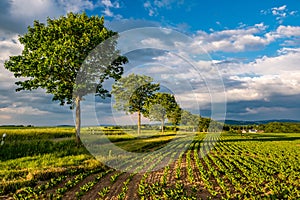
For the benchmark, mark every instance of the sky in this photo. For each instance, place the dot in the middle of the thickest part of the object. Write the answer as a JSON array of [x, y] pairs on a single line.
[[223, 59]]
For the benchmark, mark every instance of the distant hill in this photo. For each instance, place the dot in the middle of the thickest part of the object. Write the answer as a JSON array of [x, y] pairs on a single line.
[[238, 122], [65, 125]]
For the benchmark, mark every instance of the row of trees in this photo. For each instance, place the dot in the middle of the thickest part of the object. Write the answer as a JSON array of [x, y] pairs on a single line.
[[280, 127], [138, 94], [64, 57], [199, 123]]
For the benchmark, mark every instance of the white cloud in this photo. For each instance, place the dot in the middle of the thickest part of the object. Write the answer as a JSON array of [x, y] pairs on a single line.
[[166, 3], [20, 14], [26, 110], [258, 80], [263, 87], [259, 110], [108, 6], [288, 31], [153, 8], [290, 34], [267, 76], [108, 12], [32, 8], [76, 5], [152, 11], [234, 40], [159, 44], [280, 13], [281, 8], [194, 84], [287, 62], [244, 39], [294, 42], [107, 3], [242, 94], [287, 50], [9, 46]]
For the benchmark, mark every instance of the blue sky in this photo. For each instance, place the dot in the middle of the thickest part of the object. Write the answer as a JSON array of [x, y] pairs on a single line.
[[246, 55]]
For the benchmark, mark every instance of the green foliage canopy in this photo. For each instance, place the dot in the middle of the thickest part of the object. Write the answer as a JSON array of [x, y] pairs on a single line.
[[175, 116], [160, 107], [64, 52], [167, 104], [54, 53], [132, 92]]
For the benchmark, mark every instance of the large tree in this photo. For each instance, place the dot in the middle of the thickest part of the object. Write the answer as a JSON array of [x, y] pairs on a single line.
[[57, 57], [175, 116], [132, 93], [160, 107]]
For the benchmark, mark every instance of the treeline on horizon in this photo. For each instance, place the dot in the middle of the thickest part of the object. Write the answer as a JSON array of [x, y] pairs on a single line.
[[271, 127], [205, 123], [192, 122]]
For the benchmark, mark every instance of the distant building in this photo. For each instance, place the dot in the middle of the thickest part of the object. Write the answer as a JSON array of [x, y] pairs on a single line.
[[252, 131], [244, 131]]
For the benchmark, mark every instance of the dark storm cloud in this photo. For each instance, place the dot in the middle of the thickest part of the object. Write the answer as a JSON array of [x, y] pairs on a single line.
[[7, 22], [262, 109]]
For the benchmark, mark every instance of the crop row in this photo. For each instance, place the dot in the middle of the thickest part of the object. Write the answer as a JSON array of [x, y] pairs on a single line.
[[226, 166]]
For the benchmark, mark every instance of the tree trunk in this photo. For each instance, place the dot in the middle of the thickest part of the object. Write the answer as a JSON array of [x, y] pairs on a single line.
[[139, 122], [78, 120], [162, 125]]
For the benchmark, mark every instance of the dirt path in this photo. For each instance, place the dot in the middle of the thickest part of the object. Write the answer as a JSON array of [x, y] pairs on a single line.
[[133, 185]]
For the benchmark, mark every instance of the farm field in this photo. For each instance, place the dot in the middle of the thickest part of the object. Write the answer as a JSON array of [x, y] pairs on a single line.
[[44, 163]]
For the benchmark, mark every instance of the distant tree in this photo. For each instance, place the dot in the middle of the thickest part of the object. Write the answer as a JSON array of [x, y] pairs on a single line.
[[160, 106], [194, 121], [185, 117], [189, 119], [132, 93], [204, 124], [227, 127], [282, 127], [54, 54], [175, 116], [215, 126]]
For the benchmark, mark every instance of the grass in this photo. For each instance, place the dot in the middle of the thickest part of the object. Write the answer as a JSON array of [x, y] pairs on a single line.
[[36, 133], [32, 155], [130, 141], [30, 152]]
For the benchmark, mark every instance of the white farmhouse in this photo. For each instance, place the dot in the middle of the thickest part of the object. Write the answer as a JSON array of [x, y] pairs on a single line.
[[252, 131]]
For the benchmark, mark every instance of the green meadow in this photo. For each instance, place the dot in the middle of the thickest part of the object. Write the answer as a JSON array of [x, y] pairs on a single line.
[[46, 163]]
